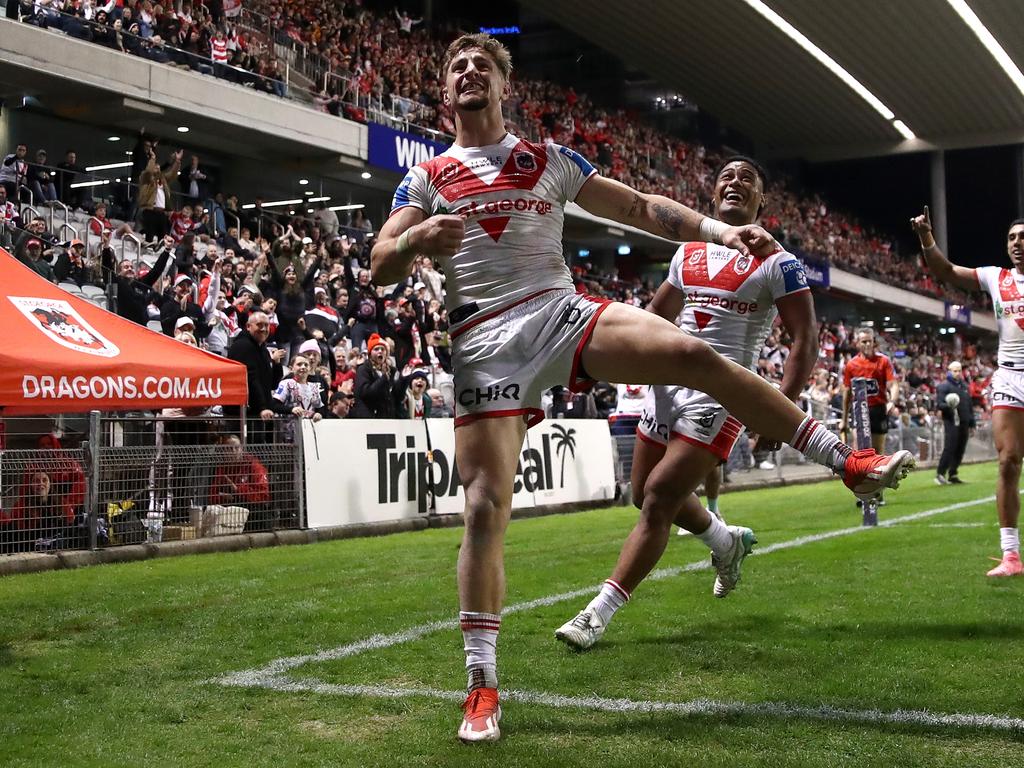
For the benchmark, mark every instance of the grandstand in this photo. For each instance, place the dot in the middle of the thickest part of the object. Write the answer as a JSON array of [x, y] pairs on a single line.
[[217, 172]]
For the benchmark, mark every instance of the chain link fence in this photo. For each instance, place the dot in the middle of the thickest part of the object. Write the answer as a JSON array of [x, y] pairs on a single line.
[[137, 479]]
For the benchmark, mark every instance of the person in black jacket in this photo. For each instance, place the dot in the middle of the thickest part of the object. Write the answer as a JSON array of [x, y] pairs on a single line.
[[293, 294], [957, 420], [134, 294], [263, 374], [375, 383], [180, 304]]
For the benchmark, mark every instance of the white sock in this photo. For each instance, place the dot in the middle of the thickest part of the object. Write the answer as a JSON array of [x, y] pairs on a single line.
[[1009, 539], [480, 638], [716, 536], [611, 597], [713, 505], [821, 446]]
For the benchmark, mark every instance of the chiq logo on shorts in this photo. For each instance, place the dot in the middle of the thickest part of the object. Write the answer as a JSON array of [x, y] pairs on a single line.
[[59, 321]]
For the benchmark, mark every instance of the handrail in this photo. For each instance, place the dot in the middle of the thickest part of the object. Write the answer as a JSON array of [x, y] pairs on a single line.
[[67, 212], [28, 207], [66, 226], [138, 247]]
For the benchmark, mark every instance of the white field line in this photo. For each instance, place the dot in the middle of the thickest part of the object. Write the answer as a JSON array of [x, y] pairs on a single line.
[[695, 707], [379, 642], [272, 676]]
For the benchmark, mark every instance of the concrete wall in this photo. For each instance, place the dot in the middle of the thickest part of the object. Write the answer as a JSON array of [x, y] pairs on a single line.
[[129, 76]]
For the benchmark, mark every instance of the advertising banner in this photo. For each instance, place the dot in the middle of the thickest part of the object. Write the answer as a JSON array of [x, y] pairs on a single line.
[[398, 151], [363, 471]]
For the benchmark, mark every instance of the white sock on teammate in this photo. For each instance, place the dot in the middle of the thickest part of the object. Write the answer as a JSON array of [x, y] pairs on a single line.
[[717, 537], [1009, 539], [815, 442], [611, 597], [480, 639]]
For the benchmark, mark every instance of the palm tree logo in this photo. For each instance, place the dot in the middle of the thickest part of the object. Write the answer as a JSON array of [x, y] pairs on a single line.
[[565, 441]]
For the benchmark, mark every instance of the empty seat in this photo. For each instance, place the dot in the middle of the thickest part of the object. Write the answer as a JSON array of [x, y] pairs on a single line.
[[154, 325], [92, 291], [70, 288]]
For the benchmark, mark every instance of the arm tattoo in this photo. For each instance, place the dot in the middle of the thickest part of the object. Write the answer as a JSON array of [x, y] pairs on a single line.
[[670, 221], [635, 208]]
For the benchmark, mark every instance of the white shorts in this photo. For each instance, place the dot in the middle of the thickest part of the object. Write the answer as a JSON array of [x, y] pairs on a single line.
[[1008, 388], [504, 361], [680, 413]]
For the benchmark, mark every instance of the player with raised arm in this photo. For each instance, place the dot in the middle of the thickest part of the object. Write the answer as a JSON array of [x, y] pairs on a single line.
[[728, 300], [1006, 287], [490, 209]]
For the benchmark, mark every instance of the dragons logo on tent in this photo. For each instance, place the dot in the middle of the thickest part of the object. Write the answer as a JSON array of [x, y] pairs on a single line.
[[60, 321]]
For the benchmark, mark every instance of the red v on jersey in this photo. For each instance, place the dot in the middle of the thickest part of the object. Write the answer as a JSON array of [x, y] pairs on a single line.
[[494, 226], [725, 269], [1008, 292], [701, 319], [454, 181]]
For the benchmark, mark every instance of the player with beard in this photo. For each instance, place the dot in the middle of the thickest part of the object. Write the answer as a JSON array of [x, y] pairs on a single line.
[[1006, 287], [491, 209], [729, 300]]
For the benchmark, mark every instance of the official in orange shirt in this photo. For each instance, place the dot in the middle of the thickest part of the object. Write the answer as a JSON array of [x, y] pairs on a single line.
[[883, 389]]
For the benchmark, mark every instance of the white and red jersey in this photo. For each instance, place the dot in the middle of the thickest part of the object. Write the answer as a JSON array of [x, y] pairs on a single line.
[[512, 196], [630, 400], [1006, 287], [219, 50], [730, 298]]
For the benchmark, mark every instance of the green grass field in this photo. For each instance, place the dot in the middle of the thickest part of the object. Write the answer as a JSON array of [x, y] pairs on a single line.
[[124, 665]]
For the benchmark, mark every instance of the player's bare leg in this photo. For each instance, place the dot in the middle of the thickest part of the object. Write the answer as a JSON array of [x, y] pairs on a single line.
[[665, 495], [1008, 430], [487, 451], [670, 483], [632, 344]]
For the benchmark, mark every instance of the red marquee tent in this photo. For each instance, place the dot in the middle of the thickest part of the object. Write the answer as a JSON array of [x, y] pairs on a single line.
[[63, 354]]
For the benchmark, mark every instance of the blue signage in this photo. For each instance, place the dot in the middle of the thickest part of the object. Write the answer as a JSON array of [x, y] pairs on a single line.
[[398, 151], [958, 313], [817, 274]]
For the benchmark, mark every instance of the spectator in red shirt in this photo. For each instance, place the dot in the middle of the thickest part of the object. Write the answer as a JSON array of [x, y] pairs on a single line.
[[883, 388], [241, 488]]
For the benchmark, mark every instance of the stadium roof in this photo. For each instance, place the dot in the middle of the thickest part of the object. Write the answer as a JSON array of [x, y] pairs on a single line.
[[918, 57]]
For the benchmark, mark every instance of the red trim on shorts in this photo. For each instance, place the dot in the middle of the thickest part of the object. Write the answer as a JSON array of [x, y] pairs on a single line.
[[721, 446], [575, 384], [1008, 407], [476, 321], [533, 416], [648, 439]]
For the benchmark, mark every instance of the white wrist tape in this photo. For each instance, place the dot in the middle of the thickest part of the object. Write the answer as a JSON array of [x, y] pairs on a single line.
[[711, 230]]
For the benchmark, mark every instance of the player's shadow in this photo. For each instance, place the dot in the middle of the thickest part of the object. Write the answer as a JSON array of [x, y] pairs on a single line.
[[736, 628], [6, 654], [895, 630]]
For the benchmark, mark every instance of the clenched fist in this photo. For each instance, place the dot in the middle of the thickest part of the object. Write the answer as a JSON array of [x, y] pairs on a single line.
[[439, 235]]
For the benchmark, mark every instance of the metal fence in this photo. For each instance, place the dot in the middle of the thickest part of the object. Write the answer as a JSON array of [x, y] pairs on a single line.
[[137, 479]]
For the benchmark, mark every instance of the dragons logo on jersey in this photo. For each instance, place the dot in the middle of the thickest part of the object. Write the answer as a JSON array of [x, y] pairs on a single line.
[[742, 265], [525, 162]]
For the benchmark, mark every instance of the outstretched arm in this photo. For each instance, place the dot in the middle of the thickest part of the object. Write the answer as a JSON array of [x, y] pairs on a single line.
[[944, 270], [661, 216]]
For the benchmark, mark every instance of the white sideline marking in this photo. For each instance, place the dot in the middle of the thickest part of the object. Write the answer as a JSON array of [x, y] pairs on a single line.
[[272, 676], [694, 707]]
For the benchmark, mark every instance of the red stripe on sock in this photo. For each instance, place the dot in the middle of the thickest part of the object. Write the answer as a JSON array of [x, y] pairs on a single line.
[[491, 625], [618, 588], [805, 435]]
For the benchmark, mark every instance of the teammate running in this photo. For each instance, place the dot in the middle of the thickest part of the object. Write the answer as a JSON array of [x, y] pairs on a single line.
[[728, 300], [491, 209], [1006, 287]]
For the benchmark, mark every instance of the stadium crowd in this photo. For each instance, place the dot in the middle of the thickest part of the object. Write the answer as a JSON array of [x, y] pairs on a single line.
[[391, 58]]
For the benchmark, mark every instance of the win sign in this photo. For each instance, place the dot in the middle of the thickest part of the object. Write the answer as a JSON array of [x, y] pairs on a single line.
[[398, 151]]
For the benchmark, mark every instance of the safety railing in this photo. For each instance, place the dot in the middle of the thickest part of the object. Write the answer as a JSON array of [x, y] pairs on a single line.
[[135, 479]]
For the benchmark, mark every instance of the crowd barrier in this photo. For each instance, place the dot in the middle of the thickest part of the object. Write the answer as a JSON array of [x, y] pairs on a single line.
[[140, 478]]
